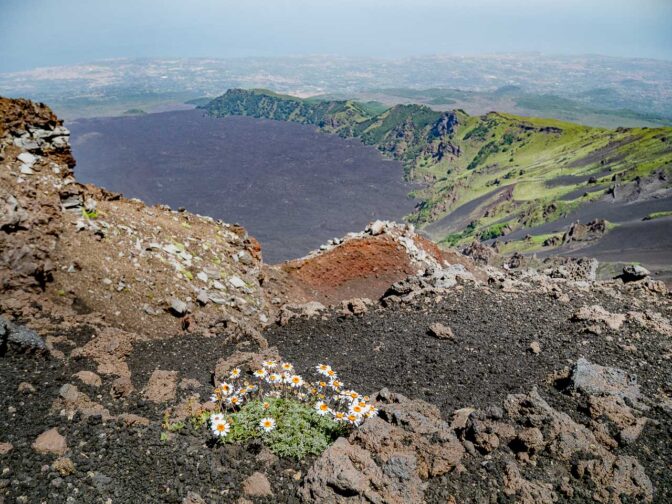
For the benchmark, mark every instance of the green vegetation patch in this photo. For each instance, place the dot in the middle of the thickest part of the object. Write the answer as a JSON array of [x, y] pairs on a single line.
[[298, 430], [658, 215]]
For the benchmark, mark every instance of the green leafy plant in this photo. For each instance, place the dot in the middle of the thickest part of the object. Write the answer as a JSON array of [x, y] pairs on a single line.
[[298, 430]]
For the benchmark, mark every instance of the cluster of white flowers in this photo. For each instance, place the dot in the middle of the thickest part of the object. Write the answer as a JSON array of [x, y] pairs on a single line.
[[344, 405], [280, 380]]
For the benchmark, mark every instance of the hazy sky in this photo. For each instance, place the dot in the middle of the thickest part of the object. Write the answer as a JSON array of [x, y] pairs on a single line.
[[47, 32]]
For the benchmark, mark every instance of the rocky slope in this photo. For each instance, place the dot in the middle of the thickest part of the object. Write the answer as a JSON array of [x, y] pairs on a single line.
[[75, 256], [531, 382]]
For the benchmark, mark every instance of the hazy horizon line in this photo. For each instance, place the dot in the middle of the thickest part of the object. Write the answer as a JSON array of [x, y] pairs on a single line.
[[341, 56]]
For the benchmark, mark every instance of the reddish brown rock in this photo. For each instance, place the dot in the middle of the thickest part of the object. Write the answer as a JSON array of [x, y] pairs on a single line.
[[162, 386], [441, 331], [257, 485], [347, 473], [122, 387], [50, 443], [89, 378]]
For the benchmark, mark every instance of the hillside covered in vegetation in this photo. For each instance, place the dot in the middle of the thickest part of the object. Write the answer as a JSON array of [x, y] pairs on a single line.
[[482, 176]]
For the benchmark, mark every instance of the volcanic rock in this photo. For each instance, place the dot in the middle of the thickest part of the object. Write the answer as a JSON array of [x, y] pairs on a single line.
[[50, 443], [162, 386], [257, 485], [634, 273], [441, 331], [89, 378], [594, 379], [596, 313]]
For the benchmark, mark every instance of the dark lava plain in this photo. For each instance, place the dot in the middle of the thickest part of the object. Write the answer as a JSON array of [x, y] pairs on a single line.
[[291, 186]]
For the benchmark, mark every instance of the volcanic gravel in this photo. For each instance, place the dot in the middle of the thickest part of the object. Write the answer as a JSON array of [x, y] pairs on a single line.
[[490, 356], [390, 347]]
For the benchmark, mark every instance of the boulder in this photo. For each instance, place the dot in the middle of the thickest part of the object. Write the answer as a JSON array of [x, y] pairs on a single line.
[[64, 466], [178, 307], [634, 273], [122, 387], [356, 306], [346, 473], [305, 310], [593, 379], [161, 387], [19, 337], [12, 215]]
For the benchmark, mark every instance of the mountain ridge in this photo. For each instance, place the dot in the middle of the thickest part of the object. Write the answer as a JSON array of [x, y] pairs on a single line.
[[551, 167]]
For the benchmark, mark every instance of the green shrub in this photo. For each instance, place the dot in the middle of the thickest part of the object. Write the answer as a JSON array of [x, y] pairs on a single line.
[[299, 430]]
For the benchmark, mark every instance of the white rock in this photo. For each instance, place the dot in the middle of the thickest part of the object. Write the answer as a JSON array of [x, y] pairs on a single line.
[[170, 248], [216, 298], [26, 170], [377, 227], [60, 142], [218, 285], [202, 297], [27, 158], [237, 282], [202, 276], [178, 306]]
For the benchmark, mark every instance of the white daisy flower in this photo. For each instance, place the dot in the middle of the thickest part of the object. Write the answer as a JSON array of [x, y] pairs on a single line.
[[220, 428], [358, 409], [235, 373], [274, 378], [217, 417], [267, 424], [234, 400], [260, 373], [354, 419], [295, 381], [373, 411], [225, 388], [336, 384], [269, 364], [339, 416], [322, 408], [287, 366]]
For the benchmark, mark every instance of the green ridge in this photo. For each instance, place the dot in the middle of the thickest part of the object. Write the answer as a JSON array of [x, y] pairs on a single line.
[[526, 171]]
